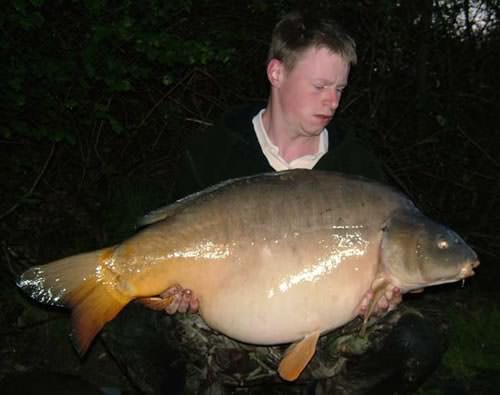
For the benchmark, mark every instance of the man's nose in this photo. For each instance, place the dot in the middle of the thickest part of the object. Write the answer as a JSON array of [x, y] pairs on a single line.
[[332, 99]]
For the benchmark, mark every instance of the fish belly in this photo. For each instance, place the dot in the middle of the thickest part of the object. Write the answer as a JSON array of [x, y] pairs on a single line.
[[280, 294]]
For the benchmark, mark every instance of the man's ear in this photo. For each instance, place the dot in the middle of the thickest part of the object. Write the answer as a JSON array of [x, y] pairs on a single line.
[[275, 70]]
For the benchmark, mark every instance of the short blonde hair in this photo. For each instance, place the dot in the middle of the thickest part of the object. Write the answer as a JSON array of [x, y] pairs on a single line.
[[294, 34]]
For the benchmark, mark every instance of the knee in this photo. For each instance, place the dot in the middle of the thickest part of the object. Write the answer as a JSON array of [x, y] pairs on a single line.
[[414, 347]]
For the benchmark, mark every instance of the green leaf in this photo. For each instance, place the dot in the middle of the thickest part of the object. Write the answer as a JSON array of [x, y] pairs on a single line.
[[115, 125], [20, 6], [95, 6], [121, 86], [37, 3]]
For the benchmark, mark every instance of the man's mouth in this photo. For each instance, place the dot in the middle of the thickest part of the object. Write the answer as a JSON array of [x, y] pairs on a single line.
[[324, 118]]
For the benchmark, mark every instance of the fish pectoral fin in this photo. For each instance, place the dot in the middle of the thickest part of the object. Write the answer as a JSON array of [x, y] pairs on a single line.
[[378, 292], [156, 303], [297, 356]]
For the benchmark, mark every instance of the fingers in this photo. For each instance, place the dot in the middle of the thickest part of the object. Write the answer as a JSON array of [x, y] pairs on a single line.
[[363, 308], [390, 299], [185, 299], [395, 298], [194, 304], [382, 305], [387, 301], [182, 300], [173, 307], [173, 290]]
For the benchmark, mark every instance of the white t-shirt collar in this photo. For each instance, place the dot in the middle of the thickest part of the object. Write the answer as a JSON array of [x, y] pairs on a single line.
[[271, 151]]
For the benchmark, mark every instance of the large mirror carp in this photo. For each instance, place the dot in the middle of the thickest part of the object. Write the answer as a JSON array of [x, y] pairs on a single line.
[[273, 258]]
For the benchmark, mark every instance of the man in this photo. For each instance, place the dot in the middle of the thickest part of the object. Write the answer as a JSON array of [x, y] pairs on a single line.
[[308, 68]]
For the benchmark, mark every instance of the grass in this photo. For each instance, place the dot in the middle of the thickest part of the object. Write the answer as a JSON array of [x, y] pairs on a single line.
[[474, 341], [472, 359]]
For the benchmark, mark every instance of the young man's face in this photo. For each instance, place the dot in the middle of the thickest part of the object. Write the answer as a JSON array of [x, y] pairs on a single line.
[[309, 94]]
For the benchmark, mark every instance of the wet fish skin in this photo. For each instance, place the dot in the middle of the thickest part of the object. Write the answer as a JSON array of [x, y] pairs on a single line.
[[418, 252], [273, 258]]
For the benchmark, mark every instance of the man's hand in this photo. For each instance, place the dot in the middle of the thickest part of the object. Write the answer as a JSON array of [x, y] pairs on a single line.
[[183, 300], [387, 302]]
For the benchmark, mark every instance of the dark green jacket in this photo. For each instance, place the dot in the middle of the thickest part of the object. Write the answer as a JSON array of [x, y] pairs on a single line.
[[230, 149]]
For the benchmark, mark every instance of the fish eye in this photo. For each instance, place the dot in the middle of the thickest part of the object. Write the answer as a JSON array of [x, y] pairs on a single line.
[[442, 243]]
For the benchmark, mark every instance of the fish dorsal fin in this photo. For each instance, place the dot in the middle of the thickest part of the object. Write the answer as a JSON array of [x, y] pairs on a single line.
[[161, 213], [164, 212], [297, 356]]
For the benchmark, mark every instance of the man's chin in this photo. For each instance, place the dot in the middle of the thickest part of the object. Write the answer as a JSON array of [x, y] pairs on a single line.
[[314, 131]]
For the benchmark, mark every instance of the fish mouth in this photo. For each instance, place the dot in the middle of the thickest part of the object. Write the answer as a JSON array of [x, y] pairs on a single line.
[[468, 269]]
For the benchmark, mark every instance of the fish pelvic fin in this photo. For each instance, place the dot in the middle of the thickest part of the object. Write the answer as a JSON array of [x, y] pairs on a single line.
[[81, 283], [156, 303], [297, 356]]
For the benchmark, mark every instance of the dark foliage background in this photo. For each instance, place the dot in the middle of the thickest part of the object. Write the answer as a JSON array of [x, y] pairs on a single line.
[[98, 98]]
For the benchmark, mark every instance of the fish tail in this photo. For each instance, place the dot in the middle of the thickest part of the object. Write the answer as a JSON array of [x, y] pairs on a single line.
[[92, 306], [80, 283]]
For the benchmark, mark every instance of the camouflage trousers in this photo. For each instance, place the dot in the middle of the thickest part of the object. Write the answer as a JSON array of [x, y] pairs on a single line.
[[180, 355]]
